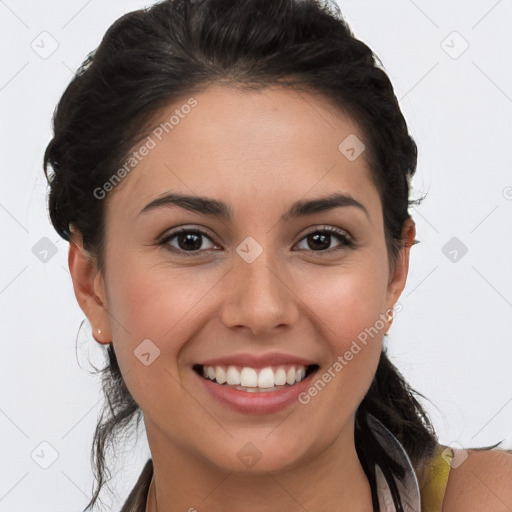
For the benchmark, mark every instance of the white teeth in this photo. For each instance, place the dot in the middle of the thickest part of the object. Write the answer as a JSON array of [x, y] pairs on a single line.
[[280, 377], [266, 378], [247, 377], [233, 376], [220, 375]]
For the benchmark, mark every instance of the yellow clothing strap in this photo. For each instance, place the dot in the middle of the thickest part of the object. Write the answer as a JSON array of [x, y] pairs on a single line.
[[434, 479]]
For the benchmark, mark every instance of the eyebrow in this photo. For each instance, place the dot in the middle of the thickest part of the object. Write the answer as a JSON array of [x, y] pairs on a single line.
[[215, 208]]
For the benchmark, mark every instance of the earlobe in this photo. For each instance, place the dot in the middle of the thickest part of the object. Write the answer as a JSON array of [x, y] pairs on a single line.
[[89, 288]]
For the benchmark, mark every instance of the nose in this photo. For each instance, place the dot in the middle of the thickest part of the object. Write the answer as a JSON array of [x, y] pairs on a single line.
[[258, 296]]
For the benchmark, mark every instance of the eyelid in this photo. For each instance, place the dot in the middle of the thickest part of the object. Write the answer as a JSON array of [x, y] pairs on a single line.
[[329, 229]]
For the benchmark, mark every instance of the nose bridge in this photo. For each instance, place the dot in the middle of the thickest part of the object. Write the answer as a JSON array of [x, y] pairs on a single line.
[[258, 296]]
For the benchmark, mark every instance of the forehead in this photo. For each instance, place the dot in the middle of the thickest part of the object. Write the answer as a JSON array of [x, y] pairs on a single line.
[[247, 147]]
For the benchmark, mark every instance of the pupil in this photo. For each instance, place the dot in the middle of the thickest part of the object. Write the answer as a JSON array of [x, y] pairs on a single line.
[[323, 236], [189, 237]]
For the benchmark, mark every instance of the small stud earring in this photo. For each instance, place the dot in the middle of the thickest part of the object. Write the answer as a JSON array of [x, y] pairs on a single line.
[[99, 331]]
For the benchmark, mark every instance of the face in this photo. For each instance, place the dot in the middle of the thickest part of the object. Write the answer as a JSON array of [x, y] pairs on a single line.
[[255, 283]]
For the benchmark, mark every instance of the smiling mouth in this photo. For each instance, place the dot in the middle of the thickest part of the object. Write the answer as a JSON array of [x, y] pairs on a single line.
[[256, 380]]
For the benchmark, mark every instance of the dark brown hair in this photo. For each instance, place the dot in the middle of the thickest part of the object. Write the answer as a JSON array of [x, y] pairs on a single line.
[[150, 57]]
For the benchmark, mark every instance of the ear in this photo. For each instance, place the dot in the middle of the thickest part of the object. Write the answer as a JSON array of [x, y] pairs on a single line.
[[398, 276], [89, 287]]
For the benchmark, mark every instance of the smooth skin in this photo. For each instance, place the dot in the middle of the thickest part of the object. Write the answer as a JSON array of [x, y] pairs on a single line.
[[259, 152]]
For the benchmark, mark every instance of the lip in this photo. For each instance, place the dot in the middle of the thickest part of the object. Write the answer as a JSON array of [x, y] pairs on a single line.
[[261, 402], [257, 361]]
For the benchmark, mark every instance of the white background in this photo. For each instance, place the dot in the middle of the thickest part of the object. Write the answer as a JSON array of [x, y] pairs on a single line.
[[452, 339]]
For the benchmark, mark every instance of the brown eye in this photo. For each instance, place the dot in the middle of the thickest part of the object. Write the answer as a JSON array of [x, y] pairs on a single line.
[[320, 240], [188, 241]]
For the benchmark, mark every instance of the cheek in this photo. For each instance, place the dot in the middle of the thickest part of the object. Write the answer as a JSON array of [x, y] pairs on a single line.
[[349, 306], [347, 300], [151, 298], [343, 381], [146, 303]]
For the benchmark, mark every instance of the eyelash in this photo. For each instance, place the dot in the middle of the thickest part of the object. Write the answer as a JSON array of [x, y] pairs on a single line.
[[346, 239]]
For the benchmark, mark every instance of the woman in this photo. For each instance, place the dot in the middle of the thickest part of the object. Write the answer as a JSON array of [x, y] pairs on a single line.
[[233, 178]]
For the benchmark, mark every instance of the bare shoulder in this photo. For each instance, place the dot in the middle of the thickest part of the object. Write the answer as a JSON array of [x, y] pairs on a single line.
[[480, 481]]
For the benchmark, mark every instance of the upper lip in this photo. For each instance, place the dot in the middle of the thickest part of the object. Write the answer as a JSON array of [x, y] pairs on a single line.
[[257, 360]]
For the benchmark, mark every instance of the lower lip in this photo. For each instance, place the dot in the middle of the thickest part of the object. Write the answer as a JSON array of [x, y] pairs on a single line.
[[260, 402]]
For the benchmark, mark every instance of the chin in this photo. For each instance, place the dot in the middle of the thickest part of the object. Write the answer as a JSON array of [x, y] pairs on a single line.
[[257, 455]]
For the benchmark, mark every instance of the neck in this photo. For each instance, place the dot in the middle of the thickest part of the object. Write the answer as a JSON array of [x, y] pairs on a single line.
[[332, 480]]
